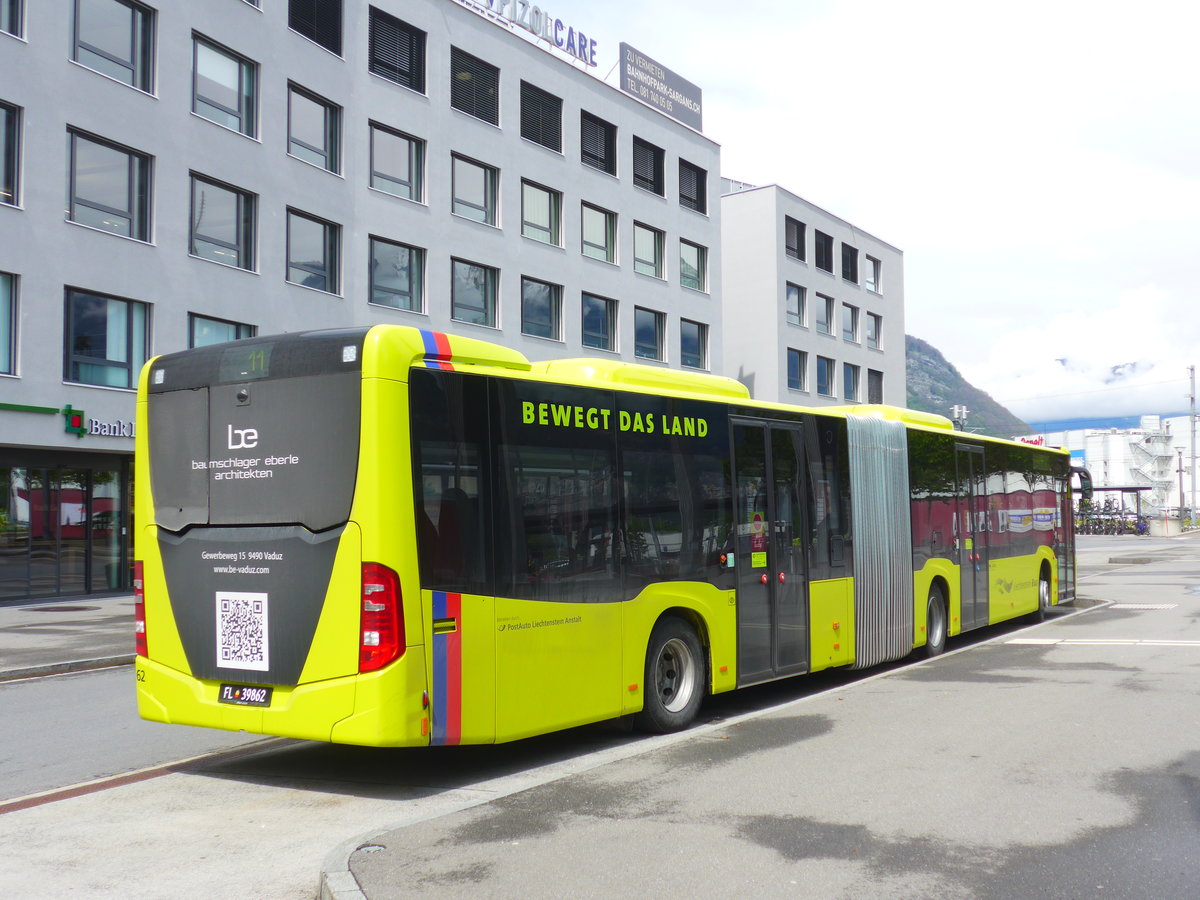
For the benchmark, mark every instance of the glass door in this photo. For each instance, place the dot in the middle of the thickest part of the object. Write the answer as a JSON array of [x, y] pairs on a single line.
[[770, 556], [15, 533], [972, 538]]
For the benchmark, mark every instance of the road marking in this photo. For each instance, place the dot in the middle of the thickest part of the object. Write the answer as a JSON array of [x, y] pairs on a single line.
[[1143, 606], [1100, 642]]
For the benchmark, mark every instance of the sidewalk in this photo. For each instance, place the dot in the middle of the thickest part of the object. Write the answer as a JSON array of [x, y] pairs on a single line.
[[45, 637]]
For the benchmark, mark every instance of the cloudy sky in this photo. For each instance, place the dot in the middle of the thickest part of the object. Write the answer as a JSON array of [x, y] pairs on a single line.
[[1037, 162]]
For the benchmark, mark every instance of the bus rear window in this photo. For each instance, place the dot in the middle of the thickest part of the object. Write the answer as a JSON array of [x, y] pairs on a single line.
[[276, 451]]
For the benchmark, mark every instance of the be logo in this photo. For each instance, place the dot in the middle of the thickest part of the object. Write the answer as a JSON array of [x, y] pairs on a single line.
[[242, 438]]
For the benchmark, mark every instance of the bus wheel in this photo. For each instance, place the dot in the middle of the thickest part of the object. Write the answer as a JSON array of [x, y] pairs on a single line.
[[1043, 597], [674, 677], [935, 622]]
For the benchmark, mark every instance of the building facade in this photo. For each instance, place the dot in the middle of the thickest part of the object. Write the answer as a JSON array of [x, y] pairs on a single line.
[[814, 306], [1153, 460], [175, 173]]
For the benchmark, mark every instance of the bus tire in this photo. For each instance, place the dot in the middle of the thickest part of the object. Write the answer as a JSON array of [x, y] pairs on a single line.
[[935, 622], [1043, 609], [674, 684]]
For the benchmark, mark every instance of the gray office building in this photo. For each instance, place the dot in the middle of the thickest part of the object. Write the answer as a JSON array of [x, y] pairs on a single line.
[[174, 174]]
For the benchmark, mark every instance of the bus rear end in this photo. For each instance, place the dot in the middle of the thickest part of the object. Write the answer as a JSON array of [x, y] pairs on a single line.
[[260, 609]]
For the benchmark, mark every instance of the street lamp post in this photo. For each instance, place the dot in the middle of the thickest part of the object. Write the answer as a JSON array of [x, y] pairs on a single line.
[[1179, 450]]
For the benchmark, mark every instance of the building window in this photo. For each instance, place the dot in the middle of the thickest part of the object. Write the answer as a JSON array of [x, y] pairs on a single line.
[[648, 167], [825, 376], [10, 157], [797, 374], [795, 304], [397, 163], [396, 51], [793, 238], [541, 212], [849, 323], [116, 38], [872, 274], [10, 16], [693, 187], [693, 344], [824, 247], [222, 223], [110, 187], [314, 129], [850, 381], [541, 309], [473, 293], [599, 233], [397, 275], [318, 20], [850, 263], [474, 86], [648, 328], [541, 117], [647, 250], [224, 87], [693, 266], [824, 313], [598, 143], [8, 319], [106, 339], [313, 249], [475, 187], [874, 386], [203, 331], [874, 331], [599, 322]]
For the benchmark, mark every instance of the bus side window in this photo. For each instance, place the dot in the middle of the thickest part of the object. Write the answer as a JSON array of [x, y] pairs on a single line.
[[450, 481], [830, 543]]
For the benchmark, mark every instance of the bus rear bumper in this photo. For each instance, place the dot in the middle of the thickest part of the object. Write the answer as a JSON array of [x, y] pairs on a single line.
[[379, 709]]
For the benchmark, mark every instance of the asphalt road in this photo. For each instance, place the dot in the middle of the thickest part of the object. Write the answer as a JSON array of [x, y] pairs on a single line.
[[68, 729]]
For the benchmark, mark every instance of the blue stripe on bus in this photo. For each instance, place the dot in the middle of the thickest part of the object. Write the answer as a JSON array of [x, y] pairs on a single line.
[[437, 349]]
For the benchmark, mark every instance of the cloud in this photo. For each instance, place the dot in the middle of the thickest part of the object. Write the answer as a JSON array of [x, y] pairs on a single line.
[[1101, 362]]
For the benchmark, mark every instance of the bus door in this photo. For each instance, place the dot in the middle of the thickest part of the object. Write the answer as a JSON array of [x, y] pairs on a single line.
[[772, 579], [971, 540]]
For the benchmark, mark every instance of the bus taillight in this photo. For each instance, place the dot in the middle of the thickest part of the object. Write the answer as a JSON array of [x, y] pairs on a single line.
[[139, 610], [382, 632]]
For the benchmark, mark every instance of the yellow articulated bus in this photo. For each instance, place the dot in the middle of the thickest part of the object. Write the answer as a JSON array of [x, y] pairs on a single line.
[[390, 536]]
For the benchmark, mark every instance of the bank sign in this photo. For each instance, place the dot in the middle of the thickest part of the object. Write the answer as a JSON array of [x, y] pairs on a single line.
[[76, 421], [538, 22]]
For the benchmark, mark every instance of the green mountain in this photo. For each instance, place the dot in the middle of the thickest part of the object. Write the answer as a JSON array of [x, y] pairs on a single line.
[[934, 385]]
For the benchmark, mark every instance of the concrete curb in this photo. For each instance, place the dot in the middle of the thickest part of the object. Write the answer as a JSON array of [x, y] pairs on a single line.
[[75, 665]]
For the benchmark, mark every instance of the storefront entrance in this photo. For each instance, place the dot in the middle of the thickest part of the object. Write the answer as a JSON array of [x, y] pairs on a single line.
[[64, 524]]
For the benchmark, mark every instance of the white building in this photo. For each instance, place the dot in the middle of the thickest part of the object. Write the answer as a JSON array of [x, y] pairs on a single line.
[[814, 306], [1147, 457]]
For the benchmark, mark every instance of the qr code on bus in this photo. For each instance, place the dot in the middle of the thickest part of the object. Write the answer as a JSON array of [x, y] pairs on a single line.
[[242, 631]]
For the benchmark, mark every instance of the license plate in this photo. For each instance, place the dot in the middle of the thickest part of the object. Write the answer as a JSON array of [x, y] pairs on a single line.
[[243, 695]]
